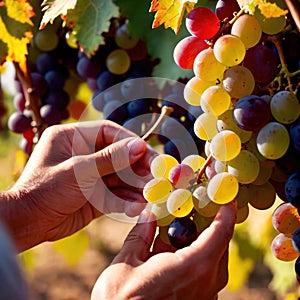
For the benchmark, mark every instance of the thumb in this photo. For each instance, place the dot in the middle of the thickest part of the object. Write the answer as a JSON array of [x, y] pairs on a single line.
[[119, 155], [137, 244]]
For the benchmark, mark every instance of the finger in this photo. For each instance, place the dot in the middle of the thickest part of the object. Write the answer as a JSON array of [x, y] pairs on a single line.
[[119, 155], [136, 248], [99, 134], [213, 241]]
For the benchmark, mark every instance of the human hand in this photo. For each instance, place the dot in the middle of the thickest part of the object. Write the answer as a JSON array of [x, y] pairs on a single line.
[[77, 172], [198, 271]]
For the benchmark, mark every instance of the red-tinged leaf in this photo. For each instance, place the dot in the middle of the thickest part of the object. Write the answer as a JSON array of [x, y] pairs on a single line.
[[20, 10], [170, 12], [55, 8]]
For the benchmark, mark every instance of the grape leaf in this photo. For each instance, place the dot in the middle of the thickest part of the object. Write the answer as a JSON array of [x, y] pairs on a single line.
[[55, 8], [20, 10], [170, 12], [268, 9], [91, 19], [160, 42]]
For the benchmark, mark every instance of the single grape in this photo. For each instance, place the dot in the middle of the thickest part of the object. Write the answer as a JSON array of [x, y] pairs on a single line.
[[46, 39], [157, 190], [295, 134], [296, 240], [205, 126], [207, 67], [222, 188], [242, 214], [292, 189], [118, 61], [181, 176], [200, 197], [186, 50], [162, 164], [215, 100], [180, 203], [248, 29], [238, 81], [245, 167], [225, 9], [50, 114], [162, 215], [18, 122], [225, 145], [251, 113], [229, 50], [202, 22], [297, 268], [116, 111], [194, 161], [283, 249], [262, 196], [182, 232], [124, 39], [285, 107], [273, 140]]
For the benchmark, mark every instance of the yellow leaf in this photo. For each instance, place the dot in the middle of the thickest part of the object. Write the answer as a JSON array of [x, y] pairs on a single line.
[[20, 10], [73, 247], [17, 48], [271, 10], [170, 12]]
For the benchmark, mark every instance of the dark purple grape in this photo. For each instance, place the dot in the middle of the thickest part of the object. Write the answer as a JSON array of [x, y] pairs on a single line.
[[106, 80], [19, 101], [18, 122], [132, 89], [139, 107], [182, 232], [295, 134], [98, 100], [296, 239], [39, 83], [251, 113], [297, 268], [50, 114], [46, 62], [226, 9], [88, 68], [292, 189], [172, 128], [60, 99], [55, 80], [262, 62], [115, 111]]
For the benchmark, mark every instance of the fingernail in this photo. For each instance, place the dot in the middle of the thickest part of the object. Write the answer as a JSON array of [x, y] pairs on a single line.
[[146, 217], [136, 146]]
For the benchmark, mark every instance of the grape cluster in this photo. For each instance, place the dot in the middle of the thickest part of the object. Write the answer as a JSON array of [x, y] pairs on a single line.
[[249, 124]]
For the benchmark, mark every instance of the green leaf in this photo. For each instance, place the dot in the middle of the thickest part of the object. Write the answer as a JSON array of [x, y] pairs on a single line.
[[73, 247], [160, 42], [91, 19]]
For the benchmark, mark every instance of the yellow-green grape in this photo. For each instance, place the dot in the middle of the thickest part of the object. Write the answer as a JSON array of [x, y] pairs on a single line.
[[242, 214], [252, 146], [238, 82], [270, 25], [220, 166], [248, 29], [157, 190], [162, 215], [180, 203], [285, 107], [205, 126], [162, 164], [262, 196], [207, 148], [222, 188], [124, 39], [163, 234], [273, 140], [265, 172], [207, 67], [193, 90], [243, 196], [71, 39], [215, 100], [229, 50], [209, 210], [202, 222], [194, 161], [245, 167], [226, 122], [283, 249], [225, 145], [118, 61], [200, 197]]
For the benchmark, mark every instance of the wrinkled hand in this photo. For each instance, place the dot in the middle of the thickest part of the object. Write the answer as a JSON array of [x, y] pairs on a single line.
[[75, 173], [199, 271]]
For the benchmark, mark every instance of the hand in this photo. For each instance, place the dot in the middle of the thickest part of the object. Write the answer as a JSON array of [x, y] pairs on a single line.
[[75, 173], [199, 271]]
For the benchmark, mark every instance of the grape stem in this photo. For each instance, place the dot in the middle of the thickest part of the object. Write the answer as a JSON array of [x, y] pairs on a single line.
[[165, 112], [202, 170], [31, 102]]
